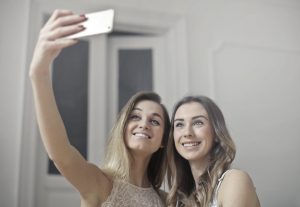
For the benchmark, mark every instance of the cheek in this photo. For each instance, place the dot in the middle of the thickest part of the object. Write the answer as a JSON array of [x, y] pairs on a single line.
[[176, 136], [209, 136], [177, 144], [127, 132], [161, 133], [126, 137]]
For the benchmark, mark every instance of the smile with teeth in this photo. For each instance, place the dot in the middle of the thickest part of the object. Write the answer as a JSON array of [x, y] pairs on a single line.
[[190, 144], [142, 135]]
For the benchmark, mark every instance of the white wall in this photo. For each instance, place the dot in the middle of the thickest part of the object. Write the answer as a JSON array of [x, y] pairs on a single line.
[[245, 54], [13, 40]]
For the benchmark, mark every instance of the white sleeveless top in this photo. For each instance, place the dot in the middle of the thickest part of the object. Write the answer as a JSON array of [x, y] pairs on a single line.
[[128, 195], [214, 202]]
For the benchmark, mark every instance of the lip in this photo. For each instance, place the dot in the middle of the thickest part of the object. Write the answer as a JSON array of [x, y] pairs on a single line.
[[191, 143], [141, 135]]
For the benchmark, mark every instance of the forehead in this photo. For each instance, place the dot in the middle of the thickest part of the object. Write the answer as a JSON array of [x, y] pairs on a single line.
[[150, 107], [190, 110]]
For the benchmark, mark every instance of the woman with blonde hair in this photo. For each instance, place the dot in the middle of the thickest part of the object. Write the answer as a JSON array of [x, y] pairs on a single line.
[[200, 152], [135, 162]]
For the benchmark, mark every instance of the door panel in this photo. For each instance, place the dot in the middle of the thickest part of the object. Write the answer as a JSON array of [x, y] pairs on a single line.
[[135, 63]]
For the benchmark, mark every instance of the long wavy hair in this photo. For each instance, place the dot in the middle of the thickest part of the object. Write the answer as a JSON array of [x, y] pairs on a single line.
[[117, 159], [180, 179]]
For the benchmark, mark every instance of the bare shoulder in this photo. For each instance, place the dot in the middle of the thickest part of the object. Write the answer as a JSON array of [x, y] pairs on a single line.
[[237, 189], [235, 178]]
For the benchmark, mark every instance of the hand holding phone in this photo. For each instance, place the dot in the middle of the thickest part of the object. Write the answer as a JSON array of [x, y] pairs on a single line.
[[96, 23]]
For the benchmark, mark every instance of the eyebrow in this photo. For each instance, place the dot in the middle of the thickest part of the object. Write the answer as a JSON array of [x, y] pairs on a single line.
[[193, 118], [154, 114]]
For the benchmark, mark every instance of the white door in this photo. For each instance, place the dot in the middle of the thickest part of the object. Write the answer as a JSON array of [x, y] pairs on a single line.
[[135, 63]]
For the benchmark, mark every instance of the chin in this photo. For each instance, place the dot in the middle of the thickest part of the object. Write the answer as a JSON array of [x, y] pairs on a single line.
[[190, 157]]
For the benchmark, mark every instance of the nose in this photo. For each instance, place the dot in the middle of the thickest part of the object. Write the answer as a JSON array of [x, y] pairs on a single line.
[[188, 132], [143, 124]]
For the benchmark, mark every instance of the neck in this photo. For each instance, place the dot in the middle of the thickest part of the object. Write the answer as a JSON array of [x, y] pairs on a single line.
[[138, 171], [198, 168]]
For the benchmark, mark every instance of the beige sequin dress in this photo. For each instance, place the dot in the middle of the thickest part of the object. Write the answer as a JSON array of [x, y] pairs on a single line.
[[127, 195]]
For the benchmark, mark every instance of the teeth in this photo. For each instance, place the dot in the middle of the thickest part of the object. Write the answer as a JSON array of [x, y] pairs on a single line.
[[191, 144], [141, 135]]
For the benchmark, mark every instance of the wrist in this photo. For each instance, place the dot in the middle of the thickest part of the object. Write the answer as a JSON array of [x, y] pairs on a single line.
[[38, 72]]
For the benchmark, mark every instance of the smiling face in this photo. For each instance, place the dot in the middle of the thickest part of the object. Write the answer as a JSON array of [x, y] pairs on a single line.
[[193, 135], [145, 128]]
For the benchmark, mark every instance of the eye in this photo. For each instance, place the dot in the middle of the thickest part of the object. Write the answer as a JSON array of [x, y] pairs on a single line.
[[178, 124], [154, 122], [134, 117], [198, 123]]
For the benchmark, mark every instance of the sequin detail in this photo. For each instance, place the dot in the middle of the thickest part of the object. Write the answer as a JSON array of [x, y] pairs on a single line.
[[127, 195]]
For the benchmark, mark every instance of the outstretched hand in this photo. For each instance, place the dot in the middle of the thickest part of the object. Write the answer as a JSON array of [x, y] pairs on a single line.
[[50, 42]]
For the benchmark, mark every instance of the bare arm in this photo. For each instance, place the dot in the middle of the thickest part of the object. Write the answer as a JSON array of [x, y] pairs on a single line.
[[84, 176], [237, 190]]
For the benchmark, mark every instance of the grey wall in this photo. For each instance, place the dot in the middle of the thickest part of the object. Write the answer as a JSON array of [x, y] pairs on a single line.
[[13, 40]]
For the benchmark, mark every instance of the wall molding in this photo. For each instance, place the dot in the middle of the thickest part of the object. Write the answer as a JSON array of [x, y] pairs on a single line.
[[221, 46]]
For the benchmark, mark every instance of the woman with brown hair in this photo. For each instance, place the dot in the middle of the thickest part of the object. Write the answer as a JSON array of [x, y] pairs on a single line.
[[135, 162], [200, 152]]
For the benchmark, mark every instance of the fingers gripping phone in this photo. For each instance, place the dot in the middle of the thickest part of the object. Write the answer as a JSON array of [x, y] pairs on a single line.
[[96, 23]]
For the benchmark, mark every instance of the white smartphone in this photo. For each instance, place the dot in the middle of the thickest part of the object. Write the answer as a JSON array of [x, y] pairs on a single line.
[[97, 23]]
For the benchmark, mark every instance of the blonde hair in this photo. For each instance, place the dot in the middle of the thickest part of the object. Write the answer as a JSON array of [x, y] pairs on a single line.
[[180, 178], [117, 160]]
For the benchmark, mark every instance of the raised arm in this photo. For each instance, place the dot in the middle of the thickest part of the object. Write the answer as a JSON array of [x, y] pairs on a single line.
[[84, 176], [237, 190]]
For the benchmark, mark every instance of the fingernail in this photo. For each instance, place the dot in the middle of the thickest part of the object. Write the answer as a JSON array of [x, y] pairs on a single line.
[[81, 27], [83, 16]]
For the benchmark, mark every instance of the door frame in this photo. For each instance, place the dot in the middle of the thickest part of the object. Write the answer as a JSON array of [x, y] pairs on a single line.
[[171, 27]]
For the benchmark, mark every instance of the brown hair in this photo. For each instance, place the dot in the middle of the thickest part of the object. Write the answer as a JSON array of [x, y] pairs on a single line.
[[180, 178], [117, 159]]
